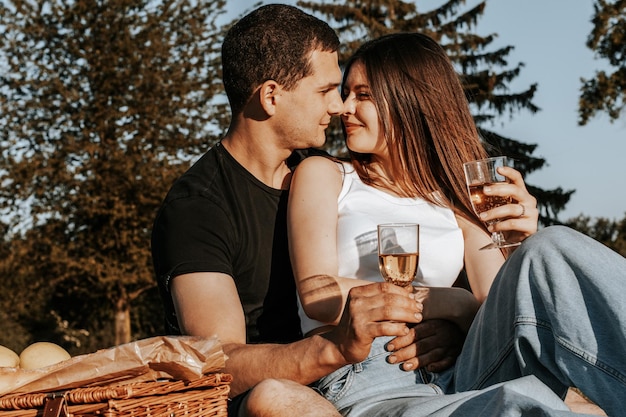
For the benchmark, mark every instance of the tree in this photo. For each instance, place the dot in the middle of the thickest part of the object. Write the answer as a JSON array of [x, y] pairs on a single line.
[[486, 88], [606, 92], [26, 309], [608, 232], [103, 103], [13, 334]]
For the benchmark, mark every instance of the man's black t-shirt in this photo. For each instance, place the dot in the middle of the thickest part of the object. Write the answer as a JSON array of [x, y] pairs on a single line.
[[219, 218]]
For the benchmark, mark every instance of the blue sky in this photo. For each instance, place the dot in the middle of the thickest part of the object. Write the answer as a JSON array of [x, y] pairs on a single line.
[[549, 37]]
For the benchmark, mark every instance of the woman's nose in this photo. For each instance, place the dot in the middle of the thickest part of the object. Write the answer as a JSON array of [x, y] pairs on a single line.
[[349, 105]]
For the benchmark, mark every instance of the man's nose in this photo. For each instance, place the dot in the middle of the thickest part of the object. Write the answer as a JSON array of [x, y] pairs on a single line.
[[336, 106]]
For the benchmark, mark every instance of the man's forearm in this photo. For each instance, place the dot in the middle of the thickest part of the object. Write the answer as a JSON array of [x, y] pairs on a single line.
[[304, 361], [371, 311]]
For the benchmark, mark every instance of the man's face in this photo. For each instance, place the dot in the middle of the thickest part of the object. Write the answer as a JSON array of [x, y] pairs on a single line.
[[305, 112]]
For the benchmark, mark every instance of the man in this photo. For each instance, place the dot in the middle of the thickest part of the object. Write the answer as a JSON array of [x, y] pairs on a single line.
[[220, 249], [219, 241]]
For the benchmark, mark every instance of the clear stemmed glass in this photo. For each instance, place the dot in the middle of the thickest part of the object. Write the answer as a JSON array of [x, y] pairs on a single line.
[[398, 252], [479, 174]]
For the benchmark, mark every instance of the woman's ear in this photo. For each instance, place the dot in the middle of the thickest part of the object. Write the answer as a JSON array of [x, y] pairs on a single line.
[[268, 92]]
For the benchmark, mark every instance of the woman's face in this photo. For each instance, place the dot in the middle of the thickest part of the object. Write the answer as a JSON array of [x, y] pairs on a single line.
[[360, 118]]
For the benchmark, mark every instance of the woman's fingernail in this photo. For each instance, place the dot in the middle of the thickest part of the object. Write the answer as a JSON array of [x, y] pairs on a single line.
[[392, 359], [407, 366]]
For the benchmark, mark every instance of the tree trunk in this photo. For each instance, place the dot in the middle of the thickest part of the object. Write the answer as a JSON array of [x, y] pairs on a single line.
[[122, 322]]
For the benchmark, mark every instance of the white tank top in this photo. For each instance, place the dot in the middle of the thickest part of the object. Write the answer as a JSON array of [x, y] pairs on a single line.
[[362, 208]]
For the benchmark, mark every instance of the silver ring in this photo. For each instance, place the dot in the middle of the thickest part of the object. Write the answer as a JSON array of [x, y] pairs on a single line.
[[523, 210]]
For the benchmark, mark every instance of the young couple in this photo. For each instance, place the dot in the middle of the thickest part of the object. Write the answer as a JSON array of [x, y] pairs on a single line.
[[553, 318]]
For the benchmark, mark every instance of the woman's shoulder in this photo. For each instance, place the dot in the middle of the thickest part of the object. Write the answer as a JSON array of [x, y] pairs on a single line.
[[322, 164], [318, 173]]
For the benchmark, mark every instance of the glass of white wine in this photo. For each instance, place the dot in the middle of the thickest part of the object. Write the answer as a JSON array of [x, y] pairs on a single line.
[[478, 175], [398, 252]]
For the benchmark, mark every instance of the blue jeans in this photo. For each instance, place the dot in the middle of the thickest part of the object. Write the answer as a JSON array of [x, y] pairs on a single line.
[[554, 318]]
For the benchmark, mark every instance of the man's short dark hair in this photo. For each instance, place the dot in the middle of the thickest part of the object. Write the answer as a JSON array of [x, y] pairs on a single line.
[[274, 42]]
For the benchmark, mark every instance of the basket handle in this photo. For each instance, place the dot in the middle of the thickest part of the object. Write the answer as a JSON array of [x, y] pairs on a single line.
[[55, 407]]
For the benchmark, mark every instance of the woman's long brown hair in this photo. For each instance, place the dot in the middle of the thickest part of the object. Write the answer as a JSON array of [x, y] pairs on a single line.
[[425, 117]]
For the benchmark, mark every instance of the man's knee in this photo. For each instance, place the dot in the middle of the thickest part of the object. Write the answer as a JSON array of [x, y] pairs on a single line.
[[268, 392], [282, 397]]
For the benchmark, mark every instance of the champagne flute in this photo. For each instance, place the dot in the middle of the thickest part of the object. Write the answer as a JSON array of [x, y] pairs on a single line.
[[398, 252], [482, 173]]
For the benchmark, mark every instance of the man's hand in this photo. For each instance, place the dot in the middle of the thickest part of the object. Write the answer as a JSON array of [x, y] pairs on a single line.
[[378, 309], [434, 344]]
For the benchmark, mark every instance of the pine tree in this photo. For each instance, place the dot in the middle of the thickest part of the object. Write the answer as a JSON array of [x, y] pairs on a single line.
[[606, 92], [102, 103], [484, 72]]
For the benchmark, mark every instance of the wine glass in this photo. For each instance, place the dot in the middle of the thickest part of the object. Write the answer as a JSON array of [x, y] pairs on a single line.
[[479, 174], [398, 252]]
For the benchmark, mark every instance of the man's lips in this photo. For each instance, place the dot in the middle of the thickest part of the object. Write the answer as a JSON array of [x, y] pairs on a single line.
[[325, 124]]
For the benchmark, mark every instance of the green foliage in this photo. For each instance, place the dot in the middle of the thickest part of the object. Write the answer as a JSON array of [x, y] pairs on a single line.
[[606, 92], [485, 73], [611, 233], [103, 103]]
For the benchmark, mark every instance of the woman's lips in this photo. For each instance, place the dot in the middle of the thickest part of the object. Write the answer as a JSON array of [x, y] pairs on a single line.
[[350, 127]]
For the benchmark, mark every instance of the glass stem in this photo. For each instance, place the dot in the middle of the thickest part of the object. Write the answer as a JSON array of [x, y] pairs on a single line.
[[497, 238]]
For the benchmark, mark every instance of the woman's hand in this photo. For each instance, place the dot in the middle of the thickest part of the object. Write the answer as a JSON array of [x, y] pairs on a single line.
[[434, 344], [437, 340], [519, 219]]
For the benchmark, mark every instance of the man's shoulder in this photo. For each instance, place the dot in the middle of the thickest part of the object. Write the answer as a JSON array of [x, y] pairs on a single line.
[[199, 177]]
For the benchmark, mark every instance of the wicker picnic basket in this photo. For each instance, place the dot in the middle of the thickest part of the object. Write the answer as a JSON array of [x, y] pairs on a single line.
[[156, 377], [206, 397]]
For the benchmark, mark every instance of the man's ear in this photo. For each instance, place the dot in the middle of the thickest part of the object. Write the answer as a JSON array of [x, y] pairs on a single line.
[[268, 92]]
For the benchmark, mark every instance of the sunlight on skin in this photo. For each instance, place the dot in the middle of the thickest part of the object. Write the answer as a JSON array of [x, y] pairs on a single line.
[[579, 404]]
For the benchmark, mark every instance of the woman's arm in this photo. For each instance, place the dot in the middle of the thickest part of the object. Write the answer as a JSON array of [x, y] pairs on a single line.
[[519, 221], [481, 266], [312, 225], [448, 303]]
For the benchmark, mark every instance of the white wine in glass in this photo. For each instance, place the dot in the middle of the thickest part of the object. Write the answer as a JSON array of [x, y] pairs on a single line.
[[478, 175], [398, 252]]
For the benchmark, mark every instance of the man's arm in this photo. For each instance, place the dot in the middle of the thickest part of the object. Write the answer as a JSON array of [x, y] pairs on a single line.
[[207, 305]]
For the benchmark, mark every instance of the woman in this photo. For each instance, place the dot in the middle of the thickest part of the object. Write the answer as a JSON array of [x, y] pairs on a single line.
[[409, 130]]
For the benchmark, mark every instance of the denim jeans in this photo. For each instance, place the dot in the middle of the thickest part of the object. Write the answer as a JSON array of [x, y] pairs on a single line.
[[554, 318]]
